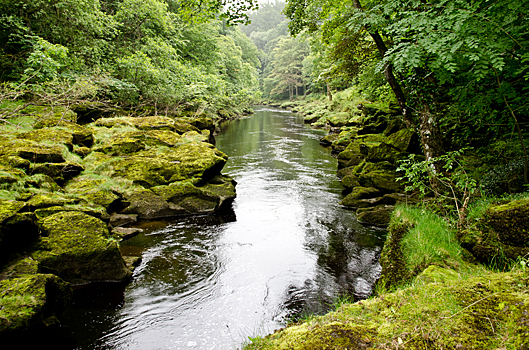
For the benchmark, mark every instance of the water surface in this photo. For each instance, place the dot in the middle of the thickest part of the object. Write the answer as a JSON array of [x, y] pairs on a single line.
[[286, 249]]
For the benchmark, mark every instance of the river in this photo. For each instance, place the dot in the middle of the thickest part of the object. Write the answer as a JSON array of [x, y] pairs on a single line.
[[286, 250]]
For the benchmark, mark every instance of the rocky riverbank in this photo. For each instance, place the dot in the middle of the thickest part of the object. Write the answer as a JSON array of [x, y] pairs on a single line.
[[368, 141], [430, 295], [70, 186]]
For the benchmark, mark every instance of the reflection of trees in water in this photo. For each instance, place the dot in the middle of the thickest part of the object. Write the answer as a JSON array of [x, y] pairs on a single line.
[[347, 265]]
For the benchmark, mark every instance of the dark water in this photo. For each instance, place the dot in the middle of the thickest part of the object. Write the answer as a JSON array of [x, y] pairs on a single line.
[[287, 249]]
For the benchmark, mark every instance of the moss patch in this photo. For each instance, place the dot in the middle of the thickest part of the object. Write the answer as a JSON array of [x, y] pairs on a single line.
[[31, 300], [74, 246], [445, 311]]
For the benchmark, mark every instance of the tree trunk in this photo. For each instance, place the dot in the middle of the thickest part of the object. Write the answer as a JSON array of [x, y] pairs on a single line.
[[329, 91], [388, 71]]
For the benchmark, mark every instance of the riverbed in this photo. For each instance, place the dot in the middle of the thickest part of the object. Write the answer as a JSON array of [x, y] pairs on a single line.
[[285, 249]]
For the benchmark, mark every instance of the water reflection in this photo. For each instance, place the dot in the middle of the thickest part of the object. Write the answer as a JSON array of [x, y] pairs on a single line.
[[286, 249]]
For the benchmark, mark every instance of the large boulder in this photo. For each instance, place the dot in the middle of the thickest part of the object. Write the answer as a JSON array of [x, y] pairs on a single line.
[[32, 300], [379, 215], [75, 247], [59, 172], [82, 136], [55, 135], [201, 161], [501, 236], [405, 140], [510, 221], [149, 205], [32, 151], [360, 193], [199, 200], [384, 181]]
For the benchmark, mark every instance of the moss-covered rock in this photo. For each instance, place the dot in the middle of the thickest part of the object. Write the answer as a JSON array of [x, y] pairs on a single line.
[[122, 219], [59, 172], [392, 259], [121, 146], [20, 267], [34, 152], [162, 138], [103, 198], [82, 136], [511, 222], [377, 215], [44, 200], [54, 135], [148, 205], [89, 209], [15, 162], [385, 152], [32, 300], [328, 139], [142, 123], [43, 182], [75, 247], [192, 199], [148, 169], [351, 156], [8, 209], [405, 140], [200, 122], [360, 193], [181, 127], [501, 236], [384, 181]]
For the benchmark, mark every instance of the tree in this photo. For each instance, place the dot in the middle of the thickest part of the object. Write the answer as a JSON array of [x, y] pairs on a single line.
[[438, 53], [287, 67]]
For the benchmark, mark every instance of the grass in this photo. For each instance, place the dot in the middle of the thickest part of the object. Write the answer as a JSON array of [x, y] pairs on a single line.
[[430, 241]]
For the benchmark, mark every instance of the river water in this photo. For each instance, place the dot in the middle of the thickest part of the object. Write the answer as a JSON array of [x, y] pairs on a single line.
[[287, 249]]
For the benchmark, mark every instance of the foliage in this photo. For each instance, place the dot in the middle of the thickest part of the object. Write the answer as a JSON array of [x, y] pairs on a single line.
[[145, 50], [286, 74], [456, 184]]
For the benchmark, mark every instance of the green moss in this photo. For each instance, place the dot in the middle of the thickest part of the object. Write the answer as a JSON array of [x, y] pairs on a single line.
[[360, 193], [81, 136], [8, 209], [75, 247], [152, 168], [405, 140], [42, 181], [416, 240], [510, 221], [90, 209], [121, 146], [31, 300], [447, 310], [54, 135], [384, 181], [376, 214], [351, 156], [21, 267], [44, 200], [385, 152], [33, 152], [59, 172], [15, 162], [149, 205]]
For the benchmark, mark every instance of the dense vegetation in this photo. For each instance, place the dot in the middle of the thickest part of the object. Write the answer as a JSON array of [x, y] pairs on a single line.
[[164, 55], [458, 71]]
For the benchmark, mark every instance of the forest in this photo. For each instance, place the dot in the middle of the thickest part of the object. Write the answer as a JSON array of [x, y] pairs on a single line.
[[104, 103]]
